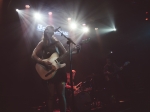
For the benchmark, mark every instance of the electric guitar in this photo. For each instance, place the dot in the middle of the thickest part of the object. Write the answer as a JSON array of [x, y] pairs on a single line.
[[48, 73], [114, 75]]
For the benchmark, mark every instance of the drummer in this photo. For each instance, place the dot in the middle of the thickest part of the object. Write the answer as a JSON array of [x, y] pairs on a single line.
[[68, 88]]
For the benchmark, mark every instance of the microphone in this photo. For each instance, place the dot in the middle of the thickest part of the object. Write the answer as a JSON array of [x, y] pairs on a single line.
[[57, 29]]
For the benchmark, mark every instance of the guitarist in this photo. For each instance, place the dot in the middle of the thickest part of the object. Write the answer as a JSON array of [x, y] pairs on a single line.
[[48, 45], [110, 70], [113, 80], [68, 88], [68, 83]]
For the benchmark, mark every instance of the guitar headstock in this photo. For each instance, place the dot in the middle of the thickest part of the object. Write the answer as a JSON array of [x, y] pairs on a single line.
[[126, 63]]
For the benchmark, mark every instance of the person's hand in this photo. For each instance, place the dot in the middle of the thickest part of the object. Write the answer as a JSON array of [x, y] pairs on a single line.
[[47, 63], [68, 86], [75, 88]]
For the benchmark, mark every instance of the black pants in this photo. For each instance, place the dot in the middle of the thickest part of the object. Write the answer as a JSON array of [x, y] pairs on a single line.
[[58, 88]]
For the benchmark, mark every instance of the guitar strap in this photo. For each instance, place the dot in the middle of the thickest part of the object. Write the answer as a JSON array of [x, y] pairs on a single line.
[[57, 50]]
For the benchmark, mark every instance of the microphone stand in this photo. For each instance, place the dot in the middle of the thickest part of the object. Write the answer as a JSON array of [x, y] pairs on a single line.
[[70, 60]]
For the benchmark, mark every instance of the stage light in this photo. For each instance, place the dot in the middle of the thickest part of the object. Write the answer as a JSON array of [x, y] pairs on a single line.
[[121, 101], [27, 6], [146, 19], [37, 16], [17, 10], [84, 24], [50, 13], [114, 29], [85, 29], [73, 25], [96, 28], [111, 52], [69, 19]]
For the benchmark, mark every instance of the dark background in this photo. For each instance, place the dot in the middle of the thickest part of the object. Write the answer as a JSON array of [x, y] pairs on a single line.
[[21, 87]]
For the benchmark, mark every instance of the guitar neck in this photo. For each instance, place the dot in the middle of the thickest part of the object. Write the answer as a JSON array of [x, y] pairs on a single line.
[[61, 58], [122, 67]]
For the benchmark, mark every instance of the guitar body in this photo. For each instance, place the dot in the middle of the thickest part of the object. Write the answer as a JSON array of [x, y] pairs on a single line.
[[45, 73]]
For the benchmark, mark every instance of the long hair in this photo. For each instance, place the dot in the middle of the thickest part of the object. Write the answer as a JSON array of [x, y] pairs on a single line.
[[43, 36]]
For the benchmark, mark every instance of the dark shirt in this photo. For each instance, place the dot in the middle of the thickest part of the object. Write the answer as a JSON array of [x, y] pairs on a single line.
[[113, 69], [48, 50]]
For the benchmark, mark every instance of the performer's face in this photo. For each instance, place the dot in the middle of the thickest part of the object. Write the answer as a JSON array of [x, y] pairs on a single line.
[[49, 31]]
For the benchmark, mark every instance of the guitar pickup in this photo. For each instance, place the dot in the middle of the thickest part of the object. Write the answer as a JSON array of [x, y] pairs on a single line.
[[56, 61]]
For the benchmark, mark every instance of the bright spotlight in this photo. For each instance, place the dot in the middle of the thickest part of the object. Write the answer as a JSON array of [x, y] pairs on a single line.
[[17, 10], [37, 16], [85, 29], [84, 24], [73, 25], [69, 19], [50, 13], [27, 6], [114, 29]]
